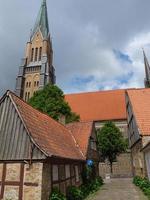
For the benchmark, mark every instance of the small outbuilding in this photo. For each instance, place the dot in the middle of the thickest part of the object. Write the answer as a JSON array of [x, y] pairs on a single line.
[[37, 153]]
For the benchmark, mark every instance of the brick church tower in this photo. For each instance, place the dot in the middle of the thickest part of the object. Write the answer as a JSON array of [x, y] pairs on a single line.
[[36, 68]]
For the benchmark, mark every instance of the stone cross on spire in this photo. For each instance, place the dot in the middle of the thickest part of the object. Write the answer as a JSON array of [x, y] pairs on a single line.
[[147, 71]]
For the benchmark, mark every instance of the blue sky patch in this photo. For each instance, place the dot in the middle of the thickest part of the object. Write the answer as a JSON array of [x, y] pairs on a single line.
[[124, 79], [121, 56], [82, 80]]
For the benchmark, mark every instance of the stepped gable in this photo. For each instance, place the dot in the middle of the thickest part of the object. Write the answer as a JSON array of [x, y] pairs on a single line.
[[99, 106], [54, 139]]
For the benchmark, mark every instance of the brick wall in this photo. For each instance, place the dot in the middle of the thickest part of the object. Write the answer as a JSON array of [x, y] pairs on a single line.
[[138, 160], [121, 168]]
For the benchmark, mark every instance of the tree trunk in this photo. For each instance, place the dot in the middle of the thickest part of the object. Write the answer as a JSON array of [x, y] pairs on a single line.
[[111, 167]]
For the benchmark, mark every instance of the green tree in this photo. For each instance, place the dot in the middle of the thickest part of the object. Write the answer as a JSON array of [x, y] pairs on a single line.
[[51, 100], [111, 143]]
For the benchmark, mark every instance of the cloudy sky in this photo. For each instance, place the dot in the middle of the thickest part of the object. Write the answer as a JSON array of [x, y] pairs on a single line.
[[97, 43]]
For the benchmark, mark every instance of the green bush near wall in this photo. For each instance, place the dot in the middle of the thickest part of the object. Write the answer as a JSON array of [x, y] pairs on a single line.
[[78, 193], [57, 195], [143, 184]]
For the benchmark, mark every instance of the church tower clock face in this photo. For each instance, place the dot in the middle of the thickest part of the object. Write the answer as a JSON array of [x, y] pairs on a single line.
[[36, 68]]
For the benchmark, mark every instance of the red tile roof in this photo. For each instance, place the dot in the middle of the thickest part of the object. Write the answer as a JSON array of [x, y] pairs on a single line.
[[82, 132], [99, 106], [140, 101], [51, 137]]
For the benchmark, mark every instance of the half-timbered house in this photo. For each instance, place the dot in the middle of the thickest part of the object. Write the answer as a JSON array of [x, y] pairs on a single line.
[[138, 115], [37, 153]]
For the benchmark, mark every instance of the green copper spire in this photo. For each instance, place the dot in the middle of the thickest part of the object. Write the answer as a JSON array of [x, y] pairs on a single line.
[[42, 21]]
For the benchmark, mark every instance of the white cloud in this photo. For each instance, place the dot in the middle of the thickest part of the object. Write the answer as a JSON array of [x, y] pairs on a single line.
[[85, 34]]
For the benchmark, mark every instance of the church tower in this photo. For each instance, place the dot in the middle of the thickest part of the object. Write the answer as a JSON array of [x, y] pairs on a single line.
[[147, 71], [36, 68]]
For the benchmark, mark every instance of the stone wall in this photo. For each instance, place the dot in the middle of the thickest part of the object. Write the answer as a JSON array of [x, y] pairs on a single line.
[[138, 161], [121, 168]]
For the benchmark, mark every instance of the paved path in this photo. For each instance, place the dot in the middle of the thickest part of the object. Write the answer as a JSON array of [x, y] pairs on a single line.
[[119, 189]]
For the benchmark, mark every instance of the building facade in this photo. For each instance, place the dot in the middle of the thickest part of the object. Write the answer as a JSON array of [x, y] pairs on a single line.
[[37, 153], [138, 112], [100, 107], [36, 68]]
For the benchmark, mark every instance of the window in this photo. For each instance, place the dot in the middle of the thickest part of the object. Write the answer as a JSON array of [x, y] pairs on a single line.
[[67, 170], [36, 54], [32, 54], [34, 83], [77, 173], [37, 83], [55, 173], [40, 53], [27, 85], [26, 96]]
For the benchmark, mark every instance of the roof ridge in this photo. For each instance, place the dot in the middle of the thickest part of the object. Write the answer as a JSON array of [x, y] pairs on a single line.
[[100, 91], [38, 110], [90, 121]]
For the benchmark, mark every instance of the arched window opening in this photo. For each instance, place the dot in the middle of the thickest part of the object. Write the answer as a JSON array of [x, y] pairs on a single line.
[[32, 54], [36, 54], [40, 54], [26, 96]]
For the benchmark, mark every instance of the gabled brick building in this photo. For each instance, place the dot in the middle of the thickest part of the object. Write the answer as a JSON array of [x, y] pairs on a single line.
[[37, 153], [100, 107]]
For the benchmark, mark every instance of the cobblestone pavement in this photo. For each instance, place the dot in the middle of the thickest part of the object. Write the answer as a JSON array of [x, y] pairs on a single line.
[[119, 189]]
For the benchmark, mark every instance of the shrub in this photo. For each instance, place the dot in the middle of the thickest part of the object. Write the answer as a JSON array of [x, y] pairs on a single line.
[[92, 186], [74, 193], [144, 185], [57, 195]]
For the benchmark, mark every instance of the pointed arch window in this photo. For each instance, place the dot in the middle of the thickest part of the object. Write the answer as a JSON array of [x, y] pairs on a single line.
[[32, 54], [26, 96], [40, 53], [36, 54]]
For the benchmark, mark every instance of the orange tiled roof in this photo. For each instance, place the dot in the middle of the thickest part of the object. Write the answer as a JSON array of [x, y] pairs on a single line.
[[52, 137], [140, 101], [81, 132], [99, 106]]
